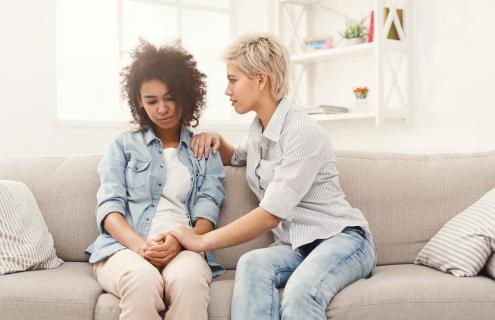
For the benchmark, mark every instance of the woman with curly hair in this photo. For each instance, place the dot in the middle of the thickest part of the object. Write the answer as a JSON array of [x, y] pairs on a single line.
[[150, 184]]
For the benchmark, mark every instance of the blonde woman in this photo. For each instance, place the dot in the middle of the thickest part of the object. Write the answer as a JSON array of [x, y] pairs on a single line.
[[322, 244]]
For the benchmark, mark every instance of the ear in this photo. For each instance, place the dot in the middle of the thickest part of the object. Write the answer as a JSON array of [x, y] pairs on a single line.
[[262, 80]]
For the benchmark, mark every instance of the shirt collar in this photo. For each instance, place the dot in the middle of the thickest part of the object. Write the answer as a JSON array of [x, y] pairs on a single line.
[[185, 136], [274, 127]]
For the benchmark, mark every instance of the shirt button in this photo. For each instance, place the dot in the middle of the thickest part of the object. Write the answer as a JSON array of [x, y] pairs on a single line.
[[159, 184], [160, 152], [161, 166], [152, 205]]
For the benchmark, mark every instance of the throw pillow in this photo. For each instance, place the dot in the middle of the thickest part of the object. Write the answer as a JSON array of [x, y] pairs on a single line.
[[462, 246], [490, 266], [25, 242]]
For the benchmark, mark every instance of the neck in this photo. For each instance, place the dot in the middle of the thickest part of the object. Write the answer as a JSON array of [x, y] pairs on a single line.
[[265, 109], [168, 137]]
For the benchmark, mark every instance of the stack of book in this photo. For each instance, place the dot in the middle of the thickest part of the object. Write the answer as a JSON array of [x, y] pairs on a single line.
[[324, 109]]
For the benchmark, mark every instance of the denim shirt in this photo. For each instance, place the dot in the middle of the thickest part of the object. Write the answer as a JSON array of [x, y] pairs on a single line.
[[132, 177]]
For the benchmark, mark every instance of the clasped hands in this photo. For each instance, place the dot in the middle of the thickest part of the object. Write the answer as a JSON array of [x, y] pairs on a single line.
[[160, 250]]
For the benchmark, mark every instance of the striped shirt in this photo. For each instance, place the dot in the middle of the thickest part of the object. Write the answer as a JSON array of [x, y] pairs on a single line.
[[291, 168]]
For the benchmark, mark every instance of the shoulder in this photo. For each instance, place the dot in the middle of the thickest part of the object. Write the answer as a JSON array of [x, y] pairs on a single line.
[[298, 125]]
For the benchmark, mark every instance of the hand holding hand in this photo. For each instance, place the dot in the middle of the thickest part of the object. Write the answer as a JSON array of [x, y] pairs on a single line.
[[189, 239]]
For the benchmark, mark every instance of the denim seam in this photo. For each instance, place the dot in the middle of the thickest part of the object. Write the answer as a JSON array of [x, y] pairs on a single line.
[[332, 271], [273, 286]]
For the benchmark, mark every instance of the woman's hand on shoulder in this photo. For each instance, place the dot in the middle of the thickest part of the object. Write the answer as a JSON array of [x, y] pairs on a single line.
[[202, 142]]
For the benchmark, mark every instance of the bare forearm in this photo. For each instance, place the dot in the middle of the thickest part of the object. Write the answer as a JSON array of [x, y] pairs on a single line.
[[246, 228], [121, 231], [226, 151], [202, 226]]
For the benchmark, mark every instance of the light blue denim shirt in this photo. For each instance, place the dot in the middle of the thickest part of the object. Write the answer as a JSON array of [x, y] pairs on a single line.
[[132, 177]]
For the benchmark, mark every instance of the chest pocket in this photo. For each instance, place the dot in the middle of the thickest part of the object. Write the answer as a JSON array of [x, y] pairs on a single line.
[[266, 171], [136, 173]]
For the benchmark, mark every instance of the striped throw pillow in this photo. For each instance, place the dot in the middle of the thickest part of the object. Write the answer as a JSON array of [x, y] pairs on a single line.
[[490, 266], [462, 246], [25, 242]]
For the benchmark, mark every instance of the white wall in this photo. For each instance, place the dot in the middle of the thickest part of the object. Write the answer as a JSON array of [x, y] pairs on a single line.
[[453, 98]]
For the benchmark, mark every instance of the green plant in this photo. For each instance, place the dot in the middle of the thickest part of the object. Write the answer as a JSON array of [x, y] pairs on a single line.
[[354, 29]]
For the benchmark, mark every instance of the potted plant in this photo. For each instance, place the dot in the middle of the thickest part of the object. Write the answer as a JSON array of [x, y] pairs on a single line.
[[354, 32], [361, 94]]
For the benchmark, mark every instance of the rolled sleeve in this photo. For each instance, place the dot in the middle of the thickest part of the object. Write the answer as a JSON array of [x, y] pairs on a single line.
[[111, 195], [211, 193], [303, 156], [239, 158]]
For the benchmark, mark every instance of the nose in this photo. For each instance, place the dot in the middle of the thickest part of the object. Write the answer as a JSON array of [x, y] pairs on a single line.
[[228, 92], [162, 107]]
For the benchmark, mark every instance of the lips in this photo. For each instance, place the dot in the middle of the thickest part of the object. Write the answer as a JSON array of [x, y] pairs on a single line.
[[165, 119]]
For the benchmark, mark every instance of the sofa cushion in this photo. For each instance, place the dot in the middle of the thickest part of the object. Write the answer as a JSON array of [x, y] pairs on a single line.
[[66, 293], [415, 292], [462, 246], [65, 189], [25, 242], [107, 307], [221, 290], [408, 198], [239, 200]]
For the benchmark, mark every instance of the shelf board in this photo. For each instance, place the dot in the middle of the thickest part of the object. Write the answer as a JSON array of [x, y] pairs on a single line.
[[343, 116], [330, 54], [301, 2]]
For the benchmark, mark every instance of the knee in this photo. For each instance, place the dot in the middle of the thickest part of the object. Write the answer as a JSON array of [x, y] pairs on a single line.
[[299, 293], [144, 278], [252, 261], [192, 275]]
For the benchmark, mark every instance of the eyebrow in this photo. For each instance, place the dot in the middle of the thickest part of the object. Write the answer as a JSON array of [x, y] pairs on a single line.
[[153, 96]]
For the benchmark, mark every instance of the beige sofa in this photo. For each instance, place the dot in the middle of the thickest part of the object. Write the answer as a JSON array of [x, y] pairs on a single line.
[[406, 199]]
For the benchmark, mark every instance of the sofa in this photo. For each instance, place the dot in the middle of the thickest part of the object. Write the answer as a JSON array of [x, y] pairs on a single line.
[[406, 199]]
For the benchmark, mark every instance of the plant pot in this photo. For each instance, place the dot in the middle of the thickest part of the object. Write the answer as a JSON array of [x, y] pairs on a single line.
[[361, 105], [353, 41]]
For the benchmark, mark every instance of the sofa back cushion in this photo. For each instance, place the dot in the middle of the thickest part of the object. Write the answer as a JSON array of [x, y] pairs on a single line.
[[65, 189], [406, 198]]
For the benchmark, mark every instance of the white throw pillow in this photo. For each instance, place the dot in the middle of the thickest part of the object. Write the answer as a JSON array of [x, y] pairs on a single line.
[[25, 242], [462, 246]]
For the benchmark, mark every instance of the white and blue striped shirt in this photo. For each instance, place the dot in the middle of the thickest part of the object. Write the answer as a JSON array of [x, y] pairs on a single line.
[[291, 168]]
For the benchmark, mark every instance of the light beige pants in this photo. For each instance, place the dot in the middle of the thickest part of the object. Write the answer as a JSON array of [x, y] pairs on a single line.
[[140, 286]]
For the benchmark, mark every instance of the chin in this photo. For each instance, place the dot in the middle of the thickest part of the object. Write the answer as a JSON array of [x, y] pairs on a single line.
[[241, 110]]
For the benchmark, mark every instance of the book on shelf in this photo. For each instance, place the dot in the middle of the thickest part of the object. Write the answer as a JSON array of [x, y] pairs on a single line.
[[324, 109]]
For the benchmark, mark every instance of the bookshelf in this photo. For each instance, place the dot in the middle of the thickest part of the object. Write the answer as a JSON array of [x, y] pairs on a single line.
[[391, 60]]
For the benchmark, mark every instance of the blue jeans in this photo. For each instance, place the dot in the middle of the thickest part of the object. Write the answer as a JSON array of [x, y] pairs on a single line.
[[312, 275]]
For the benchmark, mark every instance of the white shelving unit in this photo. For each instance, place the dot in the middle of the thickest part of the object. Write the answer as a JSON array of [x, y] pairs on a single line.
[[391, 78]]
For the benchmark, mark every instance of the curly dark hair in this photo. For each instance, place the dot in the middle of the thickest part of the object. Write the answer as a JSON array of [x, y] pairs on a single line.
[[173, 66]]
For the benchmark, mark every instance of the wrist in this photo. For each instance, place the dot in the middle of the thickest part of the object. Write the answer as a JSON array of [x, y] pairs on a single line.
[[207, 241], [138, 246]]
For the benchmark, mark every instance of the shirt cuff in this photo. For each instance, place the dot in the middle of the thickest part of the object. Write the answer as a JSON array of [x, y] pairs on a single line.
[[206, 210], [104, 210]]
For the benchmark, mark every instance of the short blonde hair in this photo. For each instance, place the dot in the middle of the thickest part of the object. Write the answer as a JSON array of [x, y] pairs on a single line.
[[257, 53]]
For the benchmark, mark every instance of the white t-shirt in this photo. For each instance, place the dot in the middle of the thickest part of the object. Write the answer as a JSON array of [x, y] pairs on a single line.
[[171, 210]]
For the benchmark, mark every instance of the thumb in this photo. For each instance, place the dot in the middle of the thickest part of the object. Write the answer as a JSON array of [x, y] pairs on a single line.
[[159, 237]]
